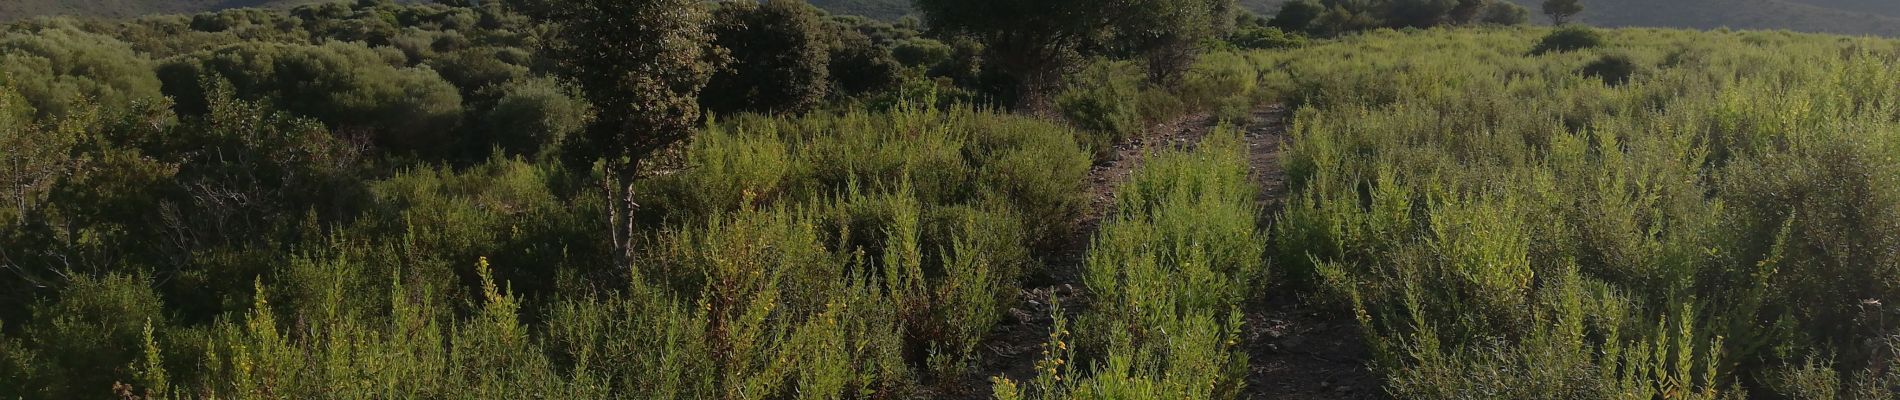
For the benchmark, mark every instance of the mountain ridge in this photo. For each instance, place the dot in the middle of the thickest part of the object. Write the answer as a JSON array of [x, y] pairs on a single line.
[[1853, 17]]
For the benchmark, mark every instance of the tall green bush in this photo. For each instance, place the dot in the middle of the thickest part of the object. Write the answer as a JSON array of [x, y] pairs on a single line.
[[349, 87], [60, 70]]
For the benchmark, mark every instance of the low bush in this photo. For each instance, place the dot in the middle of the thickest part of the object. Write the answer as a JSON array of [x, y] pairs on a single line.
[[1568, 39], [1266, 38], [1101, 102], [1612, 69], [531, 117], [1223, 84]]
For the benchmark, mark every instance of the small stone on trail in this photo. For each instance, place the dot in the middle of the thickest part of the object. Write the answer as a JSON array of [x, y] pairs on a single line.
[[1020, 316]]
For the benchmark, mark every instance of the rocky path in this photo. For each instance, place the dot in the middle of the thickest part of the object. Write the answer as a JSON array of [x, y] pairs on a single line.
[[1016, 345], [1296, 351]]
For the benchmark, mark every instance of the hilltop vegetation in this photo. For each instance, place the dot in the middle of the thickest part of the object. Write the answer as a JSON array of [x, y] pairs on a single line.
[[1854, 17], [21, 9]]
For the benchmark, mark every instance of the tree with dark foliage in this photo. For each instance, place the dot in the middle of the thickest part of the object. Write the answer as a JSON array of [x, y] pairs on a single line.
[[779, 56], [1560, 11], [1297, 16], [642, 63], [1169, 33], [1030, 43]]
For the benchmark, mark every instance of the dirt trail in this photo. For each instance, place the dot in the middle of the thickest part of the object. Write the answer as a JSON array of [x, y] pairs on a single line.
[[1296, 351], [1016, 345]]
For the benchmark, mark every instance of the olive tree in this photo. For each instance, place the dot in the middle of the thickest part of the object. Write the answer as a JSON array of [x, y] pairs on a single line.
[[1297, 16], [1030, 44], [1169, 34], [642, 64], [1560, 11]]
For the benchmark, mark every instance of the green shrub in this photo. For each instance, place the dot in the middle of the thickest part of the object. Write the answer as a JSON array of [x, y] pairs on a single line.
[[1568, 39], [1168, 274], [39, 154], [88, 336], [474, 70], [346, 86], [959, 156], [1612, 69], [1504, 229], [922, 54], [1102, 102], [60, 70], [532, 117], [1266, 38], [1222, 84], [1506, 13], [1297, 16], [859, 66]]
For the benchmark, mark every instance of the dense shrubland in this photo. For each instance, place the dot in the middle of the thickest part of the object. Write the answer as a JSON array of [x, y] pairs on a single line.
[[374, 199], [1669, 215], [788, 239]]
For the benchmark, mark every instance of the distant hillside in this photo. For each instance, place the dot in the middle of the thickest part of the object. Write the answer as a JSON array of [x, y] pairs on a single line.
[[880, 9], [1855, 17], [18, 9], [1889, 8]]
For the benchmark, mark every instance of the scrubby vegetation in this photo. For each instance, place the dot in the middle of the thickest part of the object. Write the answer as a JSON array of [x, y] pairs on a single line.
[[374, 199], [744, 200], [1170, 274], [1506, 225]]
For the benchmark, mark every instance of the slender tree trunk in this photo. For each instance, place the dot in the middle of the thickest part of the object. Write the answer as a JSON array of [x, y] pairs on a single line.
[[609, 187], [630, 175], [617, 184]]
